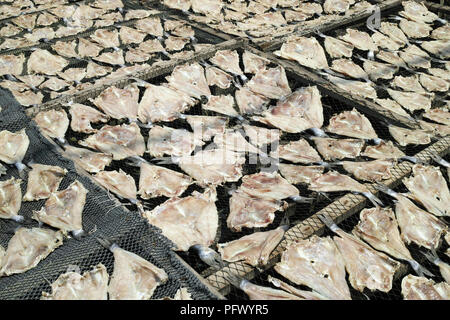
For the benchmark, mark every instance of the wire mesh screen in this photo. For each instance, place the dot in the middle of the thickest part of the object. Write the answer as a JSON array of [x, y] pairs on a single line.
[[101, 217]]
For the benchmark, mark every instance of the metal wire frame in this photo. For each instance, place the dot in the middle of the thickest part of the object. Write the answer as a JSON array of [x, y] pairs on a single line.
[[339, 211], [151, 72], [36, 11]]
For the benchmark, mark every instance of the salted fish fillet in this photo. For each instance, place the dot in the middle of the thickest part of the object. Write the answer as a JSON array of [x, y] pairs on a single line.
[[256, 292], [360, 88], [378, 70], [417, 225], [190, 79], [253, 63], [187, 221], [394, 32], [331, 149], [337, 6], [66, 49], [73, 74], [421, 288], [432, 83], [435, 129], [271, 83], [384, 150], [14, 146], [249, 102], [391, 57], [214, 166], [156, 181], [411, 101], [428, 186], [175, 142], [334, 181], [254, 249], [10, 198], [43, 181], [206, 127], [233, 140], [439, 115], [161, 103], [113, 58], [337, 48], [415, 29], [106, 38], [297, 151], [270, 186], [82, 117], [302, 294], [228, 60], [120, 141], [299, 111], [415, 57], [417, 12], [407, 136], [410, 83], [386, 42], [349, 68], [130, 35], [352, 124], [379, 227], [247, 211], [218, 77], [441, 73], [306, 51], [259, 136], [366, 267], [63, 209], [92, 285], [372, 171], [392, 106], [90, 161], [43, 62], [296, 174], [361, 40], [53, 123], [118, 182], [441, 33], [27, 248], [88, 48], [134, 278], [316, 263], [28, 98], [222, 104]]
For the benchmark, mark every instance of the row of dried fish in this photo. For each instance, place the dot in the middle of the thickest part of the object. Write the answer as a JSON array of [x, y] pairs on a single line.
[[11, 9], [417, 90], [258, 18], [320, 263], [30, 29], [47, 72]]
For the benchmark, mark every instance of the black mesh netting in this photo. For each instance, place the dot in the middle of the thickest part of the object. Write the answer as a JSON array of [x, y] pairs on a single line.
[[100, 216]]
